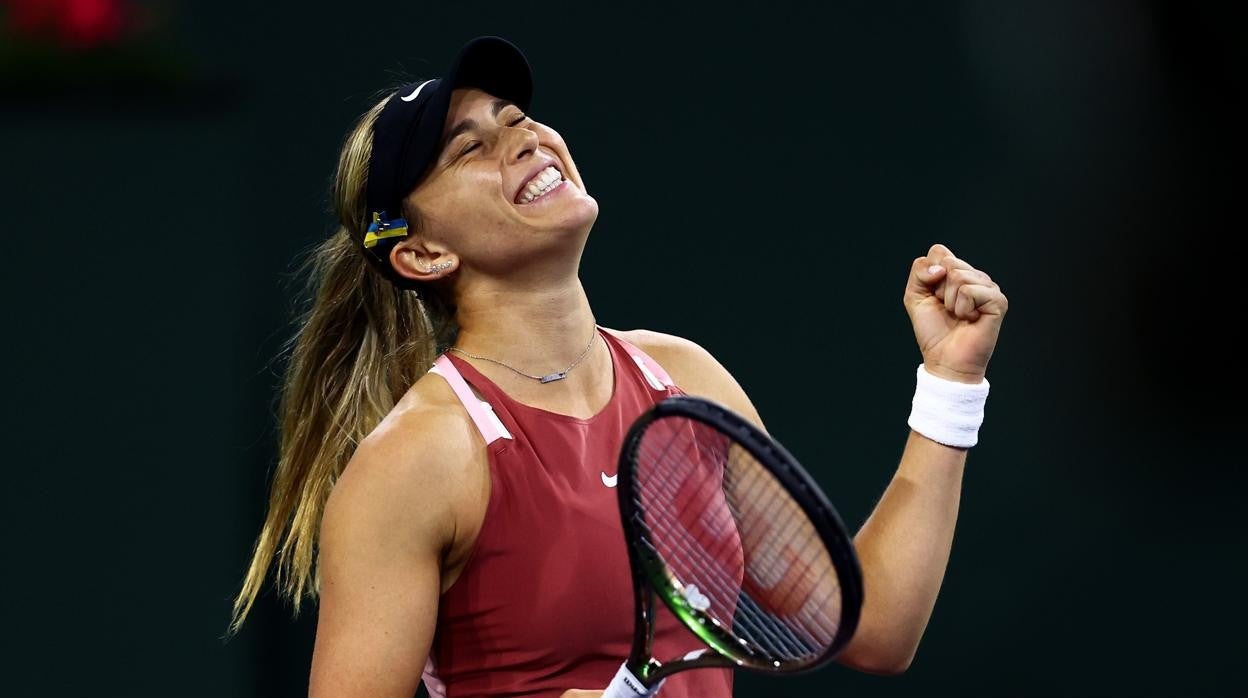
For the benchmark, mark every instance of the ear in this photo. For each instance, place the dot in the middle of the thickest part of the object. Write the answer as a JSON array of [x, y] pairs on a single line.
[[422, 260]]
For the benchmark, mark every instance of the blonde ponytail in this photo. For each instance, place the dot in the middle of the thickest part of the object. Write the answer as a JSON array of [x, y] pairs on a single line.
[[360, 346]]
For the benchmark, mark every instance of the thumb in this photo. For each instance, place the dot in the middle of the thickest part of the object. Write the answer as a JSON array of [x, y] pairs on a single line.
[[924, 278]]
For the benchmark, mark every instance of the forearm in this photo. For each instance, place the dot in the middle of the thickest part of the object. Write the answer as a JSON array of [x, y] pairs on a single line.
[[904, 549]]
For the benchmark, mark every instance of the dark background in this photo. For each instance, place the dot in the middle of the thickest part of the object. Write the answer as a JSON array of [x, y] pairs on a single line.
[[781, 165]]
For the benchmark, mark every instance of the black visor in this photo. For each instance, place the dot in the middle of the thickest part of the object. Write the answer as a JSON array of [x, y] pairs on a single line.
[[409, 129]]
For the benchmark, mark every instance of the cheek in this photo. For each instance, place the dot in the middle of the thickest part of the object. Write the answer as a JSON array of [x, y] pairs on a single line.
[[550, 138], [469, 193], [560, 150], [472, 202]]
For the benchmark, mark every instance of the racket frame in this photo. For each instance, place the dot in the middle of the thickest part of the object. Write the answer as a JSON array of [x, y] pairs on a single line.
[[651, 576]]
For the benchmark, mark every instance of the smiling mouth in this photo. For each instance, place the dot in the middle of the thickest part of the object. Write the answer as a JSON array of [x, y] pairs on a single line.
[[542, 183]]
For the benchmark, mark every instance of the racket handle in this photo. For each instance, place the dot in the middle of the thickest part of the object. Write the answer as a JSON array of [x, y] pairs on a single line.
[[625, 685]]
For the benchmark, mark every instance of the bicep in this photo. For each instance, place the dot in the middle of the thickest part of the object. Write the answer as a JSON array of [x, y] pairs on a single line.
[[380, 581]]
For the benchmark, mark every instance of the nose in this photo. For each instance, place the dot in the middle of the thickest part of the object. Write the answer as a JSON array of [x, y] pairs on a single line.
[[519, 144]]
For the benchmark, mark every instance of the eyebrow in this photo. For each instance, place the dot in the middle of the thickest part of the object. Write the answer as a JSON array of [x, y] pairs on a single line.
[[469, 124]]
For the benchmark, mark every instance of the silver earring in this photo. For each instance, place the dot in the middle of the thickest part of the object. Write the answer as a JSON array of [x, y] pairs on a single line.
[[435, 268]]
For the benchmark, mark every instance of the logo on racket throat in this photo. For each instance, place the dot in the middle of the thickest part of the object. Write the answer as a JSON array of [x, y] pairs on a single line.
[[609, 480]]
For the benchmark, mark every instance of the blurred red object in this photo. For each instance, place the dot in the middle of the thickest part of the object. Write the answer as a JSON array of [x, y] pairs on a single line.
[[75, 24]]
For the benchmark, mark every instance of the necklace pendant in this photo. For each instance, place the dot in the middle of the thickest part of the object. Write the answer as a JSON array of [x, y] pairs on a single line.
[[555, 377]]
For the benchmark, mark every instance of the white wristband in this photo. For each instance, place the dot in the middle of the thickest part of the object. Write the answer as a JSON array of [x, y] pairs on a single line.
[[946, 411]]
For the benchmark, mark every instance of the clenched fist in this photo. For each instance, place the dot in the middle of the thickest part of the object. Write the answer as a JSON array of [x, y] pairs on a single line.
[[956, 311]]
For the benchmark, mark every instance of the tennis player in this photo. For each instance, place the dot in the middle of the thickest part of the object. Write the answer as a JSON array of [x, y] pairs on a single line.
[[452, 415]]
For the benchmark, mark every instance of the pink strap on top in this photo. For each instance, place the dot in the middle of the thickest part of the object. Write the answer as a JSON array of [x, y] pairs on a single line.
[[654, 373], [433, 684], [488, 423]]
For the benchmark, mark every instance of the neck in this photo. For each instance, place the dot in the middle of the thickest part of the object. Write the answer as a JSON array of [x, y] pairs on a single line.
[[537, 331]]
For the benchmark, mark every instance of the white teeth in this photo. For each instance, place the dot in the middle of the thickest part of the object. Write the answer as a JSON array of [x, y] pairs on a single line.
[[541, 183]]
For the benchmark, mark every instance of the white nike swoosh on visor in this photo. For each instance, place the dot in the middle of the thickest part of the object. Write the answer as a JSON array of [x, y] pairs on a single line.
[[416, 91], [609, 480]]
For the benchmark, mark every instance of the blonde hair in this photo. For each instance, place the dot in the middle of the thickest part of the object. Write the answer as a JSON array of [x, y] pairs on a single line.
[[362, 343]]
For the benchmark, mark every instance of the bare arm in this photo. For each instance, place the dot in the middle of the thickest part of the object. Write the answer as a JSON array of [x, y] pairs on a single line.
[[386, 527], [904, 548], [904, 545]]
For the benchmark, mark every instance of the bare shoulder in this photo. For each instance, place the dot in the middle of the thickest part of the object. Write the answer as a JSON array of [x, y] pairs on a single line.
[[389, 527], [413, 471], [693, 368], [671, 351]]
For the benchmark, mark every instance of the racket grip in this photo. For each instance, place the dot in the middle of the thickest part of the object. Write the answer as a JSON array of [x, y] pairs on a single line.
[[625, 685]]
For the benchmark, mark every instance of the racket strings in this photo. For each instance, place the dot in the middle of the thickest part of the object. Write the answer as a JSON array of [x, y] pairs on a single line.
[[809, 586], [750, 621], [800, 595], [688, 560], [747, 626], [741, 550], [746, 622], [750, 624]]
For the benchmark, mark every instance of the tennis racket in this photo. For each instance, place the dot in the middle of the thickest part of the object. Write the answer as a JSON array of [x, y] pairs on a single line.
[[738, 541]]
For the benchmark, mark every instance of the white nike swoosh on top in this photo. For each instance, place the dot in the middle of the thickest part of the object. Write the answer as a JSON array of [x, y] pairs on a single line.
[[416, 91], [609, 480]]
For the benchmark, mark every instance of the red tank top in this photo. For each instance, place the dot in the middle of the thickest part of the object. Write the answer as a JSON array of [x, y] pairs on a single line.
[[545, 603]]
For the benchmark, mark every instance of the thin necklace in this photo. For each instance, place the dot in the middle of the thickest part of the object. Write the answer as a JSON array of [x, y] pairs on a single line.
[[548, 378]]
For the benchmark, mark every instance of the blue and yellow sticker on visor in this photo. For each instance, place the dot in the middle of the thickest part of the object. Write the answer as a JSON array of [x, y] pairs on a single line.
[[381, 229]]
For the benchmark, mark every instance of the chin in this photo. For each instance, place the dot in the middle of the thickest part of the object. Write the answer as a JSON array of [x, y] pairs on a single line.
[[577, 214], [586, 211]]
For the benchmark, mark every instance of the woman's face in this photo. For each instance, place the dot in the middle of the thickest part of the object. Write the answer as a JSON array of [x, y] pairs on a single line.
[[491, 199]]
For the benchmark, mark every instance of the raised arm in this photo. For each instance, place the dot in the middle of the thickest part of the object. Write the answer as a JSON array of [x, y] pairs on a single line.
[[387, 526], [905, 544], [903, 547]]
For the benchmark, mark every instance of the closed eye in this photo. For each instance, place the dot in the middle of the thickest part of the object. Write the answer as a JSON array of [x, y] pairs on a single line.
[[473, 145]]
